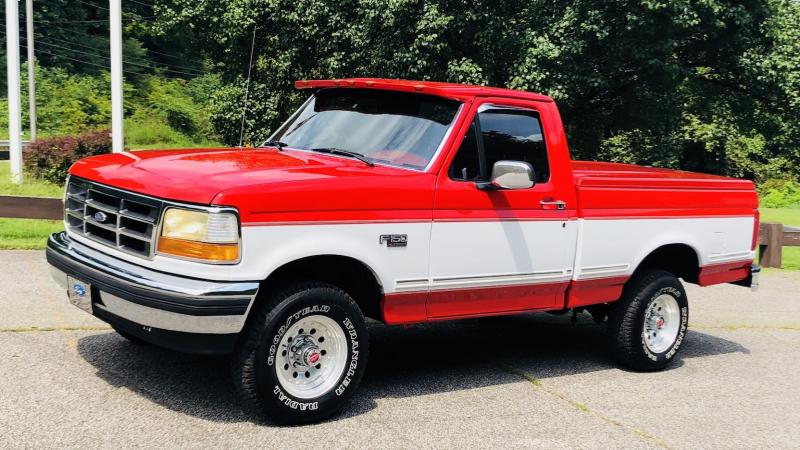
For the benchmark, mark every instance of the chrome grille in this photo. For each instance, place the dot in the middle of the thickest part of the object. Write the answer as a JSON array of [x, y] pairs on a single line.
[[116, 218]]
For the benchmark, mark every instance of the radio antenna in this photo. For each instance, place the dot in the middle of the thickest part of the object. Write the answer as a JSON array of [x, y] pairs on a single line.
[[247, 86]]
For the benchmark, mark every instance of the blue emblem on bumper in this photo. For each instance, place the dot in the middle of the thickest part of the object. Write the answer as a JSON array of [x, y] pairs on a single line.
[[78, 290]]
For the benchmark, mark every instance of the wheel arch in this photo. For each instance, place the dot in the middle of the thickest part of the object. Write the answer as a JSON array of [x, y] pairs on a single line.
[[349, 274], [679, 258]]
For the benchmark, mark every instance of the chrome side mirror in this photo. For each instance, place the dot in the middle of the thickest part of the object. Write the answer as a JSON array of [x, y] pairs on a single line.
[[510, 175]]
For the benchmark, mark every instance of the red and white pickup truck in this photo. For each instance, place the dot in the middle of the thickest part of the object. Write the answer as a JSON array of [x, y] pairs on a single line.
[[402, 201]]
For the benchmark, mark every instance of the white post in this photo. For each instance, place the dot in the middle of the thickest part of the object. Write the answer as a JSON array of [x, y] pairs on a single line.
[[117, 132], [31, 68], [14, 114]]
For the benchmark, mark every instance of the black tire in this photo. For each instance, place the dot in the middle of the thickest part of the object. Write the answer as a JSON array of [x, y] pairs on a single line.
[[626, 321], [259, 354], [133, 339]]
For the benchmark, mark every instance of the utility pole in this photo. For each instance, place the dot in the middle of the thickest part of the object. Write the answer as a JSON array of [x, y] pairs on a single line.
[[31, 68], [14, 114], [117, 112]]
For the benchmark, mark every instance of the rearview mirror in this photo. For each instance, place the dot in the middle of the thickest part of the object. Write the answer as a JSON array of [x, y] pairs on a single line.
[[510, 175]]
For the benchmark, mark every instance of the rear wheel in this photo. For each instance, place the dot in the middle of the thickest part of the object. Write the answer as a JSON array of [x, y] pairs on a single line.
[[303, 355], [648, 324]]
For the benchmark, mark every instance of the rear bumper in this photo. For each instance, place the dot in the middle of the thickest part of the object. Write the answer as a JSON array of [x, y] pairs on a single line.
[[752, 279], [181, 313]]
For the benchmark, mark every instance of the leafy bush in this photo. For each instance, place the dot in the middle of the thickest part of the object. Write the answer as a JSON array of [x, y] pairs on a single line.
[[780, 194], [159, 111], [50, 158], [174, 102]]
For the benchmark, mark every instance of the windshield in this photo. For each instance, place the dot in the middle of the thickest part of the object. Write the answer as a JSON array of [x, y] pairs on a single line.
[[397, 128]]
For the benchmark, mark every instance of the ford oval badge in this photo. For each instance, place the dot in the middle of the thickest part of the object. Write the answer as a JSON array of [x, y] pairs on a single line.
[[79, 290], [100, 216]]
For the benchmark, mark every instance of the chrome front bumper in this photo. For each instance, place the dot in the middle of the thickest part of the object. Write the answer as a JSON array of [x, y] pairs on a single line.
[[154, 305]]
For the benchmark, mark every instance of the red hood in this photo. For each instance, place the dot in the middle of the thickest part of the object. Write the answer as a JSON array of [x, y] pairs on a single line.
[[245, 178], [198, 175]]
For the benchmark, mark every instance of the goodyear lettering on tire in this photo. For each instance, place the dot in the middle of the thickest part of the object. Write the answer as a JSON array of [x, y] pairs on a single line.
[[273, 349]]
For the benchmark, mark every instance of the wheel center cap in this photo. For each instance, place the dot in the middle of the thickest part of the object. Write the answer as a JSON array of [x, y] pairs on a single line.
[[310, 356], [660, 323]]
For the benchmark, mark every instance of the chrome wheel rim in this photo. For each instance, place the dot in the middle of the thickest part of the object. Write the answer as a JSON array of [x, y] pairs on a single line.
[[311, 357], [662, 320]]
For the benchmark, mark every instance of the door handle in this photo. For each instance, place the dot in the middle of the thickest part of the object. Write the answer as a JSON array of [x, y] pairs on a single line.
[[553, 204]]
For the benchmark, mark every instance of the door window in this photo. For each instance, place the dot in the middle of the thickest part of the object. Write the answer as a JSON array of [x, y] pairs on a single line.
[[501, 134]]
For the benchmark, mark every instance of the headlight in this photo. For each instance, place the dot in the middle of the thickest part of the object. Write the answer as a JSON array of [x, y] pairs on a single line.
[[201, 235]]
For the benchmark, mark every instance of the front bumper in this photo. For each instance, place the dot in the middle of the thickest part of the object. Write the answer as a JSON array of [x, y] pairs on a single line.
[[177, 312]]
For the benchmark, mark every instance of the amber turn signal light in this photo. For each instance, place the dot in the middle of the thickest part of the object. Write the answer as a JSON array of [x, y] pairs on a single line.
[[199, 250]]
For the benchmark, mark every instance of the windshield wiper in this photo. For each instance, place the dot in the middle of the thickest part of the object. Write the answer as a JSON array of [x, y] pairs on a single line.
[[277, 144], [339, 151]]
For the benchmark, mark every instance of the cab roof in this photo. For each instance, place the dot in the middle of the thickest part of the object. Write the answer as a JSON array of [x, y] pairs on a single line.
[[463, 92]]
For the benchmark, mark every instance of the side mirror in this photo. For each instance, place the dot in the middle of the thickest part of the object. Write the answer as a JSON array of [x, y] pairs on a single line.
[[510, 175]]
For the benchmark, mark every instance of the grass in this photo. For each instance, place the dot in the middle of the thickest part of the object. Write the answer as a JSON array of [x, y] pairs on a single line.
[[785, 216], [30, 187], [791, 255], [28, 234]]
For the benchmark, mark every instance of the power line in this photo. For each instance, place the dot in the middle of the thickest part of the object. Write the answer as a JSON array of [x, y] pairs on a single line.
[[92, 4], [71, 22], [73, 50], [80, 60], [77, 60], [75, 33], [176, 66], [67, 22], [142, 3], [130, 63]]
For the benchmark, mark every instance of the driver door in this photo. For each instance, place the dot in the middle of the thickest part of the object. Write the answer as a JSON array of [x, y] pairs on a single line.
[[499, 251]]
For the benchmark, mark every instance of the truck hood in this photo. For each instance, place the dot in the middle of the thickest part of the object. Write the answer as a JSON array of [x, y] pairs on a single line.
[[267, 185], [198, 175]]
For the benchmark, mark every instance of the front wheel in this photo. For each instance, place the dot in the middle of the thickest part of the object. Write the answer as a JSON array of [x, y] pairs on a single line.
[[648, 324], [303, 355]]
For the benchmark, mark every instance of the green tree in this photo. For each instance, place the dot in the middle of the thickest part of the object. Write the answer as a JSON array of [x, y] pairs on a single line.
[[708, 85]]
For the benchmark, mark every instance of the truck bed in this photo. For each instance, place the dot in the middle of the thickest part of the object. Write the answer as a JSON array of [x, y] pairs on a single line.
[[626, 190]]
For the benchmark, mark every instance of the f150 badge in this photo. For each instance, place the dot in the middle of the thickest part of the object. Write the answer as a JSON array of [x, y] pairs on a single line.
[[394, 240]]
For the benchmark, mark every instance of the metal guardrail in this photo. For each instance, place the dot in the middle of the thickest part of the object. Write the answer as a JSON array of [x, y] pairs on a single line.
[[4, 155]]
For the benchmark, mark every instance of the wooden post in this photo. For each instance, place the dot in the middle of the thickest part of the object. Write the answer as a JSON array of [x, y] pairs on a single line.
[[771, 245]]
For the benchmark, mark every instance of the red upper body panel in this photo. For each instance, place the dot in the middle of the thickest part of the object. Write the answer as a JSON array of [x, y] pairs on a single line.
[[625, 190], [268, 186]]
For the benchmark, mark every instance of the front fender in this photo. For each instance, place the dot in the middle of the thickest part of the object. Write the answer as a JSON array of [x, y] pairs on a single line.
[[267, 248]]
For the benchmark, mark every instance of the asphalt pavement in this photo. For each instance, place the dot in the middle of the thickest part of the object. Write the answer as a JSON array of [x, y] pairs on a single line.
[[530, 381]]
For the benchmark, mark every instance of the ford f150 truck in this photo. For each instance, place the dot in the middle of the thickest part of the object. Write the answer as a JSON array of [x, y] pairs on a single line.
[[402, 201]]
